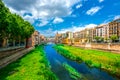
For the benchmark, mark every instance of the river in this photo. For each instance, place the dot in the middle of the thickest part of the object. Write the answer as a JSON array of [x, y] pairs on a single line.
[[56, 61]]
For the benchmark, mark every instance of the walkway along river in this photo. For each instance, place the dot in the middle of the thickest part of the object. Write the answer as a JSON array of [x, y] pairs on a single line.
[[56, 61]]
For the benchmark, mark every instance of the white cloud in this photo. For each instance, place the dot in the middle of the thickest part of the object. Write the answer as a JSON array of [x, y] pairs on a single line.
[[100, 1], [90, 25], [57, 20], [111, 18], [51, 32], [29, 18], [116, 17], [72, 29], [21, 13], [42, 22], [42, 9], [78, 6], [48, 32], [93, 10], [76, 29]]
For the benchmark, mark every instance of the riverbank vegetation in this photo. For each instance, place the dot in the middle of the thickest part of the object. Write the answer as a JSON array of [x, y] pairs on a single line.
[[94, 58], [73, 73], [33, 66]]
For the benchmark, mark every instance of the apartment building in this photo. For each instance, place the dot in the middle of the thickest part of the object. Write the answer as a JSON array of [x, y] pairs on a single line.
[[33, 40], [58, 38], [89, 35], [114, 28], [86, 35], [76, 38], [99, 31], [106, 32], [82, 36], [43, 39], [93, 34], [67, 38], [102, 31]]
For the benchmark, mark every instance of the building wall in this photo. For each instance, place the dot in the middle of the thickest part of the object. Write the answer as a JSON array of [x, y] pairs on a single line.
[[34, 39], [100, 31], [114, 28], [88, 34]]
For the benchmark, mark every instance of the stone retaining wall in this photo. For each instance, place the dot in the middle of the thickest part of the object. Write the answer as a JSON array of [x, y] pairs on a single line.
[[11, 48], [100, 46], [103, 46], [115, 47], [14, 57]]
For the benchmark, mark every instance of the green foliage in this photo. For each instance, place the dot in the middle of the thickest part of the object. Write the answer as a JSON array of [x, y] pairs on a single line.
[[114, 37], [73, 73], [89, 62], [65, 53], [99, 39], [93, 58], [12, 25], [33, 66]]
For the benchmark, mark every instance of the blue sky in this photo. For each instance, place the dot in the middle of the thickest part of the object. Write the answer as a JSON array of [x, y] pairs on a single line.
[[52, 16]]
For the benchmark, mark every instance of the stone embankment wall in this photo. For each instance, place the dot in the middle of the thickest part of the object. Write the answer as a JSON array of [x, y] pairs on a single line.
[[112, 46], [11, 48], [14, 57], [103, 46]]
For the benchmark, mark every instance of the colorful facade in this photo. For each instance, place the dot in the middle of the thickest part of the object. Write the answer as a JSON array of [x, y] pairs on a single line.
[[87, 35], [114, 28]]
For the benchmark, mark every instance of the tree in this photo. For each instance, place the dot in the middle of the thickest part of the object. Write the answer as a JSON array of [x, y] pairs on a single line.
[[4, 28], [13, 26], [99, 39], [113, 38]]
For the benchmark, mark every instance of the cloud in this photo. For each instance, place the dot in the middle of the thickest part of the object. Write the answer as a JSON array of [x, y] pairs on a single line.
[[90, 25], [72, 29], [78, 6], [76, 28], [48, 32], [42, 9], [51, 32], [57, 20], [116, 17], [100, 1], [111, 18], [29, 18], [93, 10], [42, 22]]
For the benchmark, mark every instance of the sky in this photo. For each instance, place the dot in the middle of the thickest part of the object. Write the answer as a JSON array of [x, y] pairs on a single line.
[[52, 16]]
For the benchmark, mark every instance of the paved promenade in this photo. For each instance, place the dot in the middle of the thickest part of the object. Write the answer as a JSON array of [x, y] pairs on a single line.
[[7, 60]]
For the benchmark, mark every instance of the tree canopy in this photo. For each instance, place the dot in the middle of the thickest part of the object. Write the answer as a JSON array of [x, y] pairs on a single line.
[[98, 39], [113, 38], [12, 25]]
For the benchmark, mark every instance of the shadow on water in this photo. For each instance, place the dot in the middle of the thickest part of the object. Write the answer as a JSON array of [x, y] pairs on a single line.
[[56, 61]]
